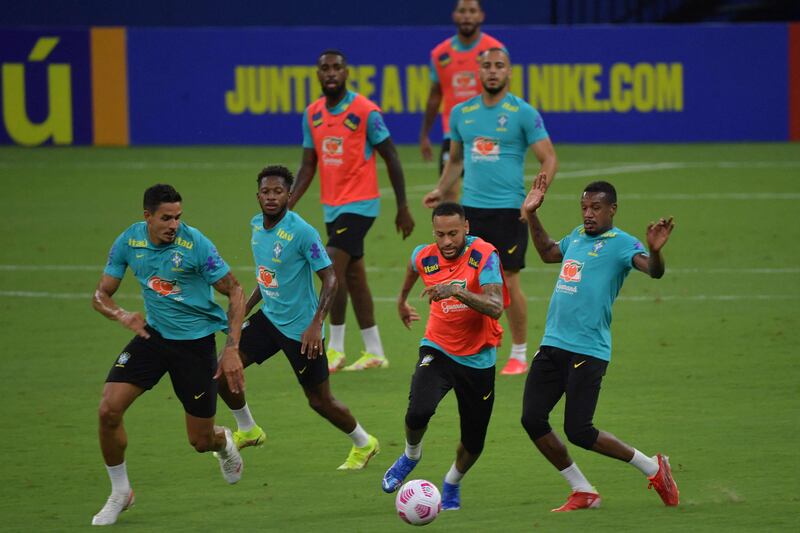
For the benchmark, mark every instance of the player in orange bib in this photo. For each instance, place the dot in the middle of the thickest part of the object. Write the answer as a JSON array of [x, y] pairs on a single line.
[[465, 287], [341, 133], [454, 75]]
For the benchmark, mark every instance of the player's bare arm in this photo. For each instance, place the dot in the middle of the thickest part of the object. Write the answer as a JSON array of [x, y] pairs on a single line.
[[407, 313], [657, 236], [312, 336], [489, 302], [547, 248], [403, 222], [305, 175], [431, 110], [452, 170], [253, 300], [230, 363], [545, 152], [105, 305]]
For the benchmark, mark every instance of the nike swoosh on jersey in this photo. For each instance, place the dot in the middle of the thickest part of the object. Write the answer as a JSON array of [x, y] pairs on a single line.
[[340, 231], [487, 396], [303, 370], [198, 396], [576, 365], [512, 249]]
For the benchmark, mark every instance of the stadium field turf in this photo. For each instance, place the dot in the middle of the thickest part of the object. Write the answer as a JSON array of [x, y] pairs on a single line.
[[705, 364]]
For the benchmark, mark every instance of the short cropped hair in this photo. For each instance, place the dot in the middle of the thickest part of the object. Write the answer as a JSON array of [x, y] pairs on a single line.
[[332, 52], [446, 209], [279, 171], [604, 187], [159, 194], [480, 4], [494, 49]]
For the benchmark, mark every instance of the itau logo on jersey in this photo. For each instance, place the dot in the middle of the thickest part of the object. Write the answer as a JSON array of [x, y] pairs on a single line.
[[332, 150], [163, 287], [267, 278], [485, 149], [571, 270]]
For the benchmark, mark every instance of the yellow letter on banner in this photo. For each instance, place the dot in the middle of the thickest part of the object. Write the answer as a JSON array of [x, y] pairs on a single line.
[[58, 123], [391, 93], [418, 85]]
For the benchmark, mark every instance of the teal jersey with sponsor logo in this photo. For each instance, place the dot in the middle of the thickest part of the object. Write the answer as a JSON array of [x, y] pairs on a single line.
[[286, 256], [377, 132], [176, 280], [592, 273], [490, 273], [495, 141]]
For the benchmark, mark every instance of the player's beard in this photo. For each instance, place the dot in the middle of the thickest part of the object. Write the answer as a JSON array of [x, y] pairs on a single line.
[[334, 92], [495, 90], [469, 32]]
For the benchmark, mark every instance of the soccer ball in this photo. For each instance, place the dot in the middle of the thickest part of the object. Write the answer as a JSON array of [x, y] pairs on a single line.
[[418, 502]]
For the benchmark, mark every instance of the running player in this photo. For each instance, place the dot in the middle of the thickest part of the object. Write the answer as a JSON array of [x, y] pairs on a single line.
[[454, 76], [497, 129], [176, 266], [466, 293], [595, 258], [341, 133], [287, 250]]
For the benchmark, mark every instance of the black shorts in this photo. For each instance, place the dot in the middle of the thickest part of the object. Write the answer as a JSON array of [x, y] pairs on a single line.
[[434, 376], [503, 229], [191, 365], [347, 233], [261, 340], [555, 372]]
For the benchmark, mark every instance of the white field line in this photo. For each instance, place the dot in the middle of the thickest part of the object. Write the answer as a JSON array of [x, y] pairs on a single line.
[[635, 166], [393, 299], [527, 270]]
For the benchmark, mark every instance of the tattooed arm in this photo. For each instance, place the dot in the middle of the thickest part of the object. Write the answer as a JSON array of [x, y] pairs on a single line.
[[489, 302]]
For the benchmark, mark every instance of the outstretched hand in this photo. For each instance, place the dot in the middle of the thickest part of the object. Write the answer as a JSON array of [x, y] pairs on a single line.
[[408, 314], [535, 197], [658, 233], [432, 199], [404, 222]]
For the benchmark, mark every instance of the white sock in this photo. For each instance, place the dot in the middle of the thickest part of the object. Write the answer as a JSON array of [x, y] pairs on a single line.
[[372, 341], [577, 481], [359, 436], [243, 418], [646, 465], [453, 476], [336, 341], [414, 451], [519, 352], [229, 447], [119, 478]]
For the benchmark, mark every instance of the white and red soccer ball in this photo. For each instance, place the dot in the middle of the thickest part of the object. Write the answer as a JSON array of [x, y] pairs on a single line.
[[418, 502]]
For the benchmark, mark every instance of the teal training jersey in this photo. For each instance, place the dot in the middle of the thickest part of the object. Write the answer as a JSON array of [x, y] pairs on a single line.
[[176, 280], [592, 273], [286, 256], [490, 273], [495, 141], [377, 132]]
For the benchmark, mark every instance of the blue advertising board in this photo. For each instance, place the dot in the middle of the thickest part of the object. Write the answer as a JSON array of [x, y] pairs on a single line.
[[592, 84]]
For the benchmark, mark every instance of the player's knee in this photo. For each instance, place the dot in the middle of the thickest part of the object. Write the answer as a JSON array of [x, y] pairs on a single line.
[[418, 418], [108, 415], [535, 424], [319, 403], [581, 434]]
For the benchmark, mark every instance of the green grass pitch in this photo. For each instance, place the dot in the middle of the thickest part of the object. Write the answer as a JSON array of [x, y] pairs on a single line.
[[705, 365]]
